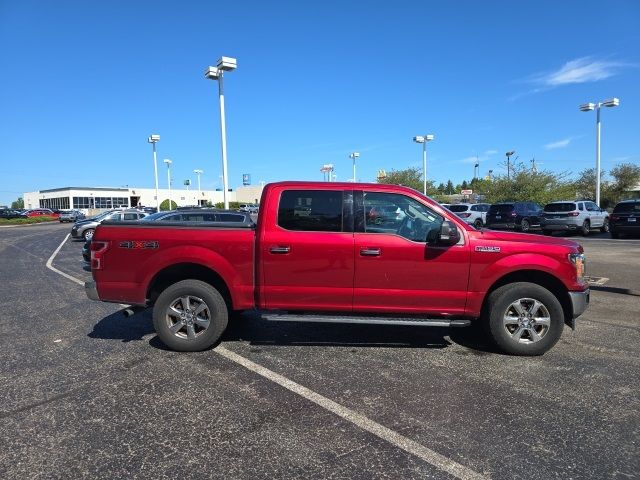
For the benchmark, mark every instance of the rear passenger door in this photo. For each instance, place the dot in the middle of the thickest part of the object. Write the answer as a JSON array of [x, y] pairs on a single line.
[[306, 251]]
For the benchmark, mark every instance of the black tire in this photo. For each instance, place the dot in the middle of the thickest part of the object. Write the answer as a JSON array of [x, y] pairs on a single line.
[[503, 333], [547, 232], [88, 234], [585, 229], [525, 226], [478, 223], [605, 226], [187, 333]]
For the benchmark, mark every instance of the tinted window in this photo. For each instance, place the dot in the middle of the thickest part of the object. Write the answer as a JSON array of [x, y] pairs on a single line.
[[559, 207], [459, 208], [399, 215], [581, 206], [230, 217], [130, 216], [630, 207], [311, 210], [502, 208], [591, 207]]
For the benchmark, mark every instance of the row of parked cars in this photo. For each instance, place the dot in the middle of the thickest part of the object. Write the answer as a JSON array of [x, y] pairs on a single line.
[[581, 216], [61, 215]]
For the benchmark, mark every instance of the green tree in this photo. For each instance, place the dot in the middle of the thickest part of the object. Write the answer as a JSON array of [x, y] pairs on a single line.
[[410, 177], [442, 188], [585, 185], [165, 205], [524, 184], [464, 185], [18, 204], [450, 188], [626, 177]]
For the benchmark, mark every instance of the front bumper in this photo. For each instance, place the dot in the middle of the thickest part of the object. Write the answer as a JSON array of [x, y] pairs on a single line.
[[91, 290], [579, 303]]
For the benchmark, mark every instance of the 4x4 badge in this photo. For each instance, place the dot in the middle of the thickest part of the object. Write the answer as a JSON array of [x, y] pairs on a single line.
[[488, 249]]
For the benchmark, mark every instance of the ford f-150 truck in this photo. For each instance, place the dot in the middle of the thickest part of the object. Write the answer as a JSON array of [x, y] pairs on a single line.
[[327, 252]]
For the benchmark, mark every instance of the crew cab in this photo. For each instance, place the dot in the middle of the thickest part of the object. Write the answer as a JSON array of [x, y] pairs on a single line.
[[321, 252]]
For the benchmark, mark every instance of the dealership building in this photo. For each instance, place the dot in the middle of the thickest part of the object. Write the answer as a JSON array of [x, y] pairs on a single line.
[[106, 198]]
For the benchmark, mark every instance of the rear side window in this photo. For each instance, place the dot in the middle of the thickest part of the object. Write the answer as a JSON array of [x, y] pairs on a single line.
[[311, 210], [503, 208], [230, 217], [560, 207], [459, 208], [631, 207]]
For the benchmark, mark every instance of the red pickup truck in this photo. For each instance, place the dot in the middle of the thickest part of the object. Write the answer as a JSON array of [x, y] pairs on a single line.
[[343, 252]]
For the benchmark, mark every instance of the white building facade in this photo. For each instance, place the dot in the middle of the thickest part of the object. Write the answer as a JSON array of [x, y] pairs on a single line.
[[94, 199]]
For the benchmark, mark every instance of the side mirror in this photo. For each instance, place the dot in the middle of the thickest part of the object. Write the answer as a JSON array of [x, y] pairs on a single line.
[[449, 234]]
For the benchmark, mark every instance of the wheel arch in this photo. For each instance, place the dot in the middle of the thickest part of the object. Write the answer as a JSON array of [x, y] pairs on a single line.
[[187, 271], [538, 277]]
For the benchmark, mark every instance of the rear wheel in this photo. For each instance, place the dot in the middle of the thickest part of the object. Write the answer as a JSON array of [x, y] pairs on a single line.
[[524, 318], [190, 316], [478, 223], [605, 226], [525, 226], [88, 233], [586, 228]]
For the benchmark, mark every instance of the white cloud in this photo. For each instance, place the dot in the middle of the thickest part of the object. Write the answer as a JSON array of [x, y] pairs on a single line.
[[488, 153], [581, 70], [559, 144]]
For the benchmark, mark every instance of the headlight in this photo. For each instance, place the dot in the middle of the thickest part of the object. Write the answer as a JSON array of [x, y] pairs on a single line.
[[578, 261]]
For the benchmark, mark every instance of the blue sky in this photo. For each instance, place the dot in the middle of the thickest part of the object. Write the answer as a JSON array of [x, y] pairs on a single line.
[[83, 84]]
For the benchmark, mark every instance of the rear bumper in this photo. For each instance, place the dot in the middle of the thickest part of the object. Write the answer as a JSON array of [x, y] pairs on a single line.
[[625, 228], [91, 290], [579, 303], [550, 225]]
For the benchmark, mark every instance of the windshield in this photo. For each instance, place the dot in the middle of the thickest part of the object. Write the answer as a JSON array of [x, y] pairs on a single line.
[[459, 208], [560, 207], [631, 207], [501, 208], [153, 217]]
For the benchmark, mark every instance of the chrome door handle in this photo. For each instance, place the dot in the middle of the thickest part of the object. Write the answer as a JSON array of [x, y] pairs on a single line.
[[370, 252], [280, 250]]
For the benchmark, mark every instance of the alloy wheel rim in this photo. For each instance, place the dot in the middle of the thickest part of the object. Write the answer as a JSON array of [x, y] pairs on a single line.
[[526, 320], [188, 317]]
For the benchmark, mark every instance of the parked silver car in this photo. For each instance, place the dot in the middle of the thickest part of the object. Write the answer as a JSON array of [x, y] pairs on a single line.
[[71, 216], [86, 228], [580, 215]]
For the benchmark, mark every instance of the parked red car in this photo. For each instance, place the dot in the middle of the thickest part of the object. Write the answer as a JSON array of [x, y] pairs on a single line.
[[42, 212], [337, 263]]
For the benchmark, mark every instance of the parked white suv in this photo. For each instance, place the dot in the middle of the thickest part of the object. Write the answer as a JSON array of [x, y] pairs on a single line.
[[473, 213], [581, 215]]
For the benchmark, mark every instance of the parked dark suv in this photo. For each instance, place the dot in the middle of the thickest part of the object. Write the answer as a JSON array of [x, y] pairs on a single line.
[[521, 216], [625, 218]]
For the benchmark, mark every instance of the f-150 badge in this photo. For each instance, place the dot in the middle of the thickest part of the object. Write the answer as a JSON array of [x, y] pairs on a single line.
[[487, 249]]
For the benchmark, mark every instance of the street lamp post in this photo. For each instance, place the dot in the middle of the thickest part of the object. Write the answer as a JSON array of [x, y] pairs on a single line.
[[353, 156], [217, 73], [153, 139], [423, 139], [587, 107], [168, 162], [509, 154], [198, 172]]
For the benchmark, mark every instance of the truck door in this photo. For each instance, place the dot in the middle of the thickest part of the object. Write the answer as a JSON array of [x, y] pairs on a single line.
[[396, 270], [306, 251]]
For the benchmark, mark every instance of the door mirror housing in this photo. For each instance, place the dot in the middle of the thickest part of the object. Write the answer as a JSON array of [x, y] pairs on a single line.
[[449, 234]]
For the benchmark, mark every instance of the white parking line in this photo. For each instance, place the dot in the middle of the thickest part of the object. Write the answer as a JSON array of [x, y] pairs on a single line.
[[54, 269], [394, 438], [380, 431]]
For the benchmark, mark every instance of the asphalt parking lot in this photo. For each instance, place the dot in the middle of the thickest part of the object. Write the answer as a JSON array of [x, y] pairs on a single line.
[[87, 392]]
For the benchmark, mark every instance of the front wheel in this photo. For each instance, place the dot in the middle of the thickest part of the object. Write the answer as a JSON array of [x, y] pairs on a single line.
[[190, 316], [88, 233], [524, 319], [605, 226]]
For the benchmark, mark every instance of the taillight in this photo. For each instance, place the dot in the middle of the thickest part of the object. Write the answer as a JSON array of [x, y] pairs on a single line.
[[97, 251], [573, 214], [465, 215]]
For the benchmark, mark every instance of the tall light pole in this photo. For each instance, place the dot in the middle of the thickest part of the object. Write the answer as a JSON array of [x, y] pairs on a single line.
[[353, 156], [509, 154], [217, 73], [168, 162], [587, 107], [198, 172], [423, 139], [153, 139]]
